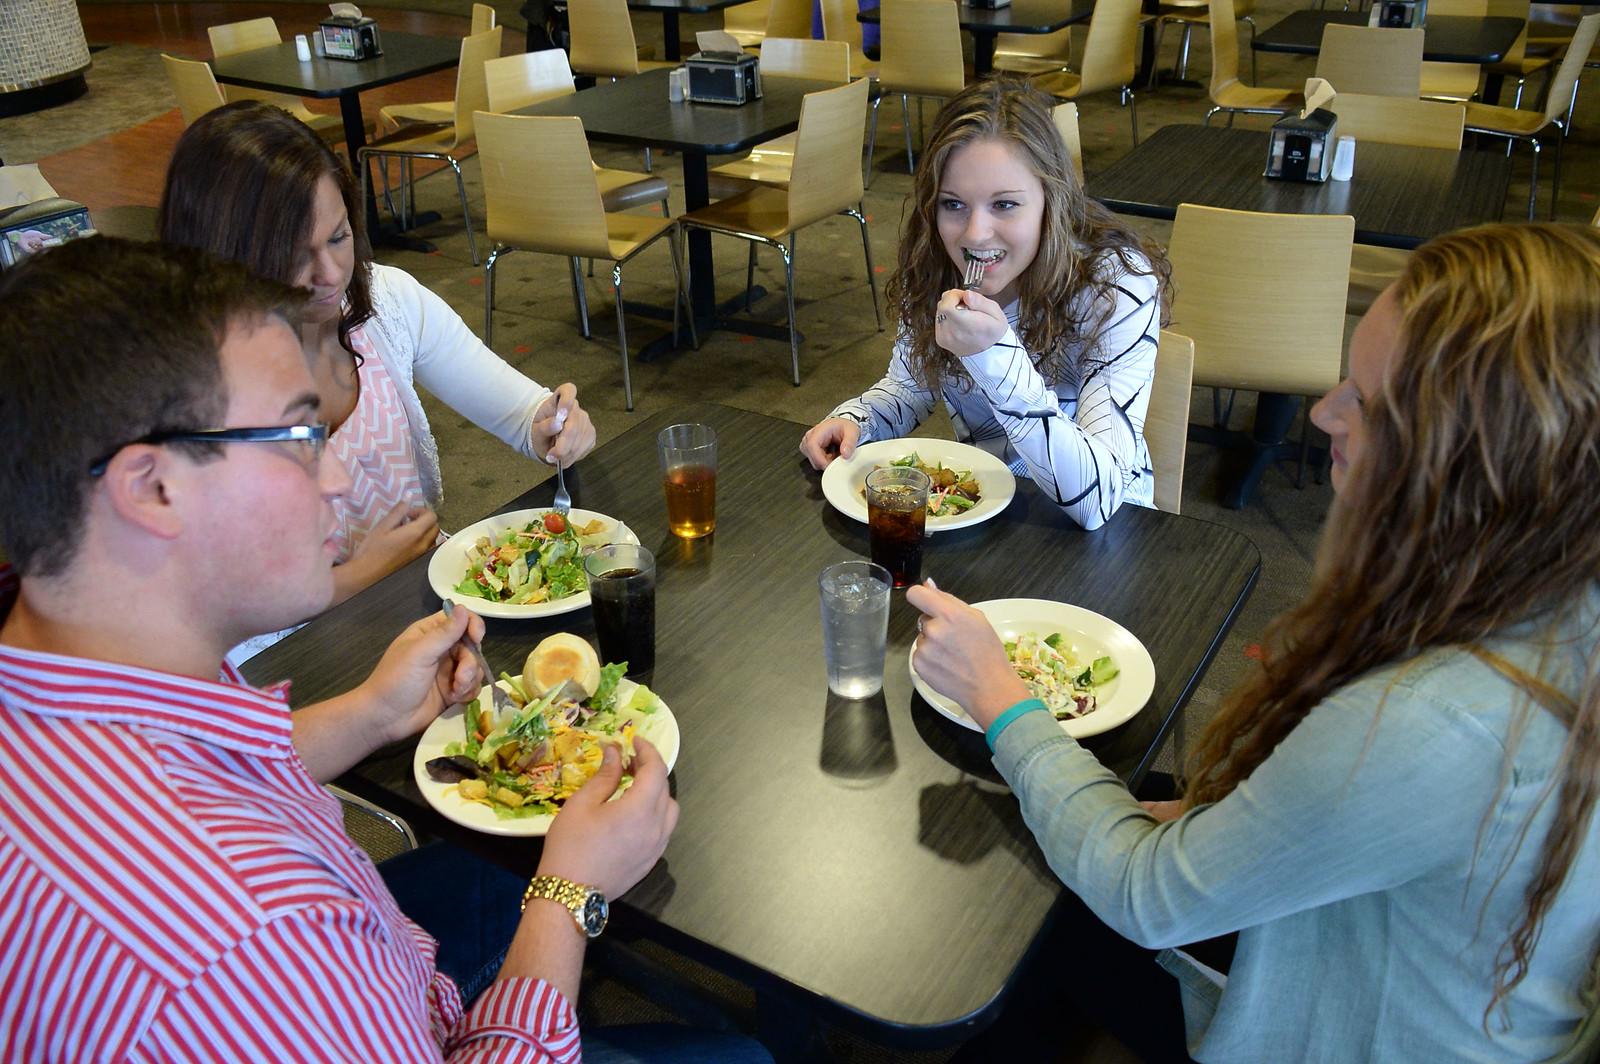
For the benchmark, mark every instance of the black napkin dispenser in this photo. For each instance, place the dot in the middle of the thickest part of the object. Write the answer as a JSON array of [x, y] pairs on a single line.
[[30, 228], [1399, 14], [350, 37], [723, 77], [1301, 149], [988, 5]]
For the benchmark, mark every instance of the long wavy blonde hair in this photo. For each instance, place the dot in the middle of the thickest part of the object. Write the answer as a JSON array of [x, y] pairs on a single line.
[[1471, 506], [1076, 235]]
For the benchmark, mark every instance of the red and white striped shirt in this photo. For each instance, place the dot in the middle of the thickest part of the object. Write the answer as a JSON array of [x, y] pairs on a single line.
[[174, 886]]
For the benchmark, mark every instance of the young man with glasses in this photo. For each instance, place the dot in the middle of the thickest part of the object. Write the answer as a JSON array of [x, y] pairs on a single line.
[[177, 885]]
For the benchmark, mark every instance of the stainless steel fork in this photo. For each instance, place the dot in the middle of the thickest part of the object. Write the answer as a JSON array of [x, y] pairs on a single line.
[[974, 275], [563, 502], [502, 701]]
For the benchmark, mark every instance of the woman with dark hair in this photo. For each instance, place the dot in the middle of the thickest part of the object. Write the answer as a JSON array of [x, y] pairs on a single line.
[[249, 182], [1047, 362], [1397, 812]]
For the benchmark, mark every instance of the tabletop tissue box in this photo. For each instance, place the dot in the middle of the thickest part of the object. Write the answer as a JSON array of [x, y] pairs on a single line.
[[33, 217], [1398, 14], [1301, 146], [723, 77], [348, 34]]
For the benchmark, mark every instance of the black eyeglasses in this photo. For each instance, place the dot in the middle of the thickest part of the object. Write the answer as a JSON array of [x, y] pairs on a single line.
[[314, 436]]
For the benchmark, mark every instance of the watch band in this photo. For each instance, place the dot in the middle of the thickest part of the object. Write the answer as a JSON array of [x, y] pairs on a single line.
[[586, 904]]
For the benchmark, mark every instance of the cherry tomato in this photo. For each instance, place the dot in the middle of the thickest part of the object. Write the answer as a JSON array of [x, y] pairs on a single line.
[[554, 523]]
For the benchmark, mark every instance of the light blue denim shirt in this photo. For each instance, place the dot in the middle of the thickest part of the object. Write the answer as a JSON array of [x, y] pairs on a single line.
[[1356, 863]]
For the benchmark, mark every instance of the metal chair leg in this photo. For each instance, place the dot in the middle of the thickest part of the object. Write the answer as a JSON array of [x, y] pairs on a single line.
[[1155, 65], [1255, 79], [1132, 103], [488, 295], [1555, 180], [678, 273], [905, 118], [466, 213], [622, 332], [1182, 71], [872, 136], [749, 276], [580, 296], [859, 214], [1533, 177], [788, 291]]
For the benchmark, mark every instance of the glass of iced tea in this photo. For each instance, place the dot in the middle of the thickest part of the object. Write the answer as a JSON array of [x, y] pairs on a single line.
[[622, 593], [897, 515], [689, 478]]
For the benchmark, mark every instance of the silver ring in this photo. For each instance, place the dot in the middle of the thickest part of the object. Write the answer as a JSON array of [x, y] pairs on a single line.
[[919, 623], [938, 319]]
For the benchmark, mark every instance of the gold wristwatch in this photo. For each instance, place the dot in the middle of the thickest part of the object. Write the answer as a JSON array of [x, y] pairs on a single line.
[[588, 906]]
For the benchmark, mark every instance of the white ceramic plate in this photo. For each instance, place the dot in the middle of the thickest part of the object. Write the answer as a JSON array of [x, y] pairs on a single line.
[[843, 480], [660, 727], [449, 564], [1094, 635]]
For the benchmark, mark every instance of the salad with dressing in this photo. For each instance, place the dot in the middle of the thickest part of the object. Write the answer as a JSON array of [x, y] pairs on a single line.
[[1057, 676], [529, 759], [540, 562]]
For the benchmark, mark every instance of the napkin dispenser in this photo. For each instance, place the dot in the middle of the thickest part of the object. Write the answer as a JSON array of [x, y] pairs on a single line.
[[988, 5], [1399, 14], [1301, 148], [723, 77], [350, 37], [30, 228]]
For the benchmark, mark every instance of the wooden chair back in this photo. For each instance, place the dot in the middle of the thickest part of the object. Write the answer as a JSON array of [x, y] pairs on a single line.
[[1224, 45], [826, 177], [559, 212], [472, 89], [602, 38], [1056, 46], [1397, 120], [839, 24], [514, 81], [747, 18], [1166, 420], [1111, 51], [790, 57], [789, 18], [194, 85], [1066, 119], [921, 48], [230, 38], [1262, 296], [483, 18], [1565, 80], [1374, 60]]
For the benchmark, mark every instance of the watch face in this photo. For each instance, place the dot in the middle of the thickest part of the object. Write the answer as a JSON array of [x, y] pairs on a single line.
[[595, 913]]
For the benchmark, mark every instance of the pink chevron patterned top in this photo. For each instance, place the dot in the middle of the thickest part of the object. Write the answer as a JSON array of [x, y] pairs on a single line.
[[374, 445]]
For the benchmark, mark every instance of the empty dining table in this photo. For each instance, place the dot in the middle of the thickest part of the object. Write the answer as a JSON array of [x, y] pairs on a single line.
[[1031, 17], [1445, 38], [856, 862], [1400, 196]]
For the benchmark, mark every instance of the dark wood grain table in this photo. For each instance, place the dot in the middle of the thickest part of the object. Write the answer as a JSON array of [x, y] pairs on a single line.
[[1445, 38], [1400, 196], [276, 69], [857, 861], [636, 112], [1020, 16]]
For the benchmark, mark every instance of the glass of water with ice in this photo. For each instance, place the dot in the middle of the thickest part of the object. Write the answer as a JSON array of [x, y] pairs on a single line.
[[855, 626]]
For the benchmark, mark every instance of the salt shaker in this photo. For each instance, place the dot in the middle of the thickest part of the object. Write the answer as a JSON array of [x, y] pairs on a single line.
[[302, 48], [1344, 159]]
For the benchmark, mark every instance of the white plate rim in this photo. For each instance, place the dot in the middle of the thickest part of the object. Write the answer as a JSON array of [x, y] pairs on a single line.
[[1134, 684], [843, 477], [444, 572], [660, 727]]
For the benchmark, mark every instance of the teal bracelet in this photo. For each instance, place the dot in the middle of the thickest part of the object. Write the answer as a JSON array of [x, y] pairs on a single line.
[[992, 734]]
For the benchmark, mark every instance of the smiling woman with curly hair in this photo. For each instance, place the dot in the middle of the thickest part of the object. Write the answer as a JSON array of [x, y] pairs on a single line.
[[1047, 362]]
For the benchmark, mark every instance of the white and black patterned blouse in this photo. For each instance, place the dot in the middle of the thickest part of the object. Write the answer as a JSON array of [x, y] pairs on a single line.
[[1081, 440]]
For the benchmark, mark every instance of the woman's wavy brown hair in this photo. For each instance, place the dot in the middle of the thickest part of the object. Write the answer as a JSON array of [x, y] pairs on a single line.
[[1470, 507], [242, 184], [1077, 236]]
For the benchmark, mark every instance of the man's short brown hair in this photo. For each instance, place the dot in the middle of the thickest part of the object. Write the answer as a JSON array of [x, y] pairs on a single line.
[[103, 341]]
